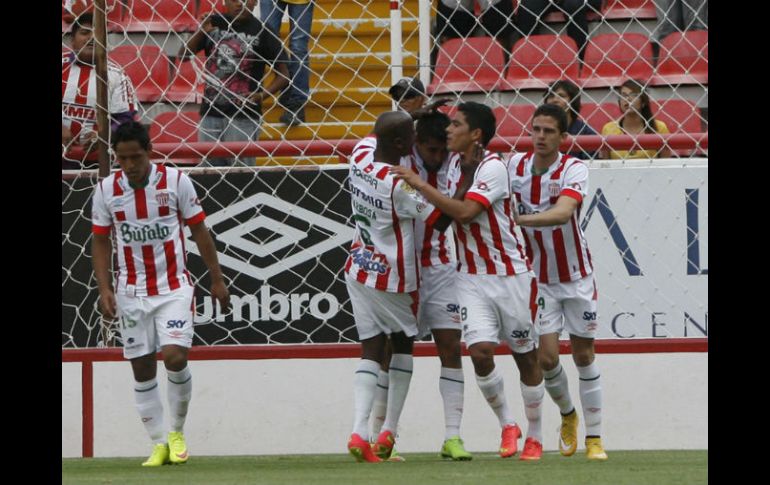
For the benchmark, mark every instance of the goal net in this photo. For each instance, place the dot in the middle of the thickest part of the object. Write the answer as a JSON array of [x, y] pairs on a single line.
[[282, 228]]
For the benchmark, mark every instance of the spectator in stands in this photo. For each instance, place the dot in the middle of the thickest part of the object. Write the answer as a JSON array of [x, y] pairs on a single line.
[[295, 97], [529, 17], [409, 93], [566, 95], [678, 16], [238, 47], [637, 119], [456, 18], [78, 103]]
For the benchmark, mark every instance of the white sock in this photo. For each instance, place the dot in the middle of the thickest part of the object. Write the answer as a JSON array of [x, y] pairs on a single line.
[[150, 408], [558, 388], [591, 398], [451, 384], [533, 408], [364, 383], [493, 390], [380, 406], [400, 377], [179, 394]]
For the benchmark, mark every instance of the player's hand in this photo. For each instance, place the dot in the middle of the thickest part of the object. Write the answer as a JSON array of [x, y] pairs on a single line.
[[66, 136], [88, 139], [407, 175], [220, 292], [429, 108], [108, 305], [206, 24]]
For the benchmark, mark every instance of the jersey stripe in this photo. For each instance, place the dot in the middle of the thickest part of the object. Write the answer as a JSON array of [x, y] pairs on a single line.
[[173, 281], [561, 255], [148, 255], [128, 254], [399, 244], [467, 255], [494, 227], [482, 248], [140, 199], [543, 256]]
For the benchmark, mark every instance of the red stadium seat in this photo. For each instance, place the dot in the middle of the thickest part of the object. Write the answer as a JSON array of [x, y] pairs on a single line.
[[114, 13], [514, 120], [684, 59], [147, 66], [679, 115], [629, 9], [611, 59], [598, 115], [538, 60], [176, 127], [207, 6], [160, 16], [185, 86], [472, 65]]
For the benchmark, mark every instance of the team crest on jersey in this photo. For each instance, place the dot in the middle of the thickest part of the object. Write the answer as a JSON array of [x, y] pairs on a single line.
[[162, 198], [554, 188], [407, 188], [575, 186]]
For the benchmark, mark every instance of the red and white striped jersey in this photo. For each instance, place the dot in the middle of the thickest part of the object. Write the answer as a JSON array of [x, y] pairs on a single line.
[[558, 253], [148, 228], [78, 93], [383, 254], [488, 244]]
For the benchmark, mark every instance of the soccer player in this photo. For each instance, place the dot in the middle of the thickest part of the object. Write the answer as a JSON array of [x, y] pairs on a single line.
[[496, 288], [438, 314], [381, 276], [549, 187], [145, 204]]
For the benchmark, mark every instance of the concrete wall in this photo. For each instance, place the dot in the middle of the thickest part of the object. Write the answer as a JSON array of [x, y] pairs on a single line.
[[651, 401]]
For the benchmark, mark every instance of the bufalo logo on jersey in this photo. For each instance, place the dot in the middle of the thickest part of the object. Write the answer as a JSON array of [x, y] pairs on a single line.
[[263, 240]]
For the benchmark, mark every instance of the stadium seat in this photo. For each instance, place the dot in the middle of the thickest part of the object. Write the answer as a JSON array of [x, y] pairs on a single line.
[[629, 9], [148, 68], [611, 59], [184, 86], [538, 60], [513, 120], [679, 115], [472, 65], [160, 16], [114, 13], [598, 115], [176, 127], [684, 59], [206, 6]]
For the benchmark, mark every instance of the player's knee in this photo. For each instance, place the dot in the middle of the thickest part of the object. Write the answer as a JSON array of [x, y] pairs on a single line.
[[583, 357], [547, 361], [175, 361], [401, 343], [482, 357]]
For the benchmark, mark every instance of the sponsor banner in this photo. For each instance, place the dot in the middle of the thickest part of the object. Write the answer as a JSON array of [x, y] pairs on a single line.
[[283, 237]]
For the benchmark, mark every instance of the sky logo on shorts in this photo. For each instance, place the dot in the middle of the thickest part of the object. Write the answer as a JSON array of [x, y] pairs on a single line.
[[175, 323]]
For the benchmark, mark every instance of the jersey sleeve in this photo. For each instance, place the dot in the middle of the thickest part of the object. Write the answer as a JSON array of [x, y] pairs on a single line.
[[189, 205], [512, 166], [490, 184], [100, 214], [409, 203], [122, 96], [575, 183]]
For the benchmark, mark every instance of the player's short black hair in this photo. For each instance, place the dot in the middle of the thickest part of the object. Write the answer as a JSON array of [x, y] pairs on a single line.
[[479, 115], [554, 112], [81, 20], [131, 131], [432, 126], [572, 91]]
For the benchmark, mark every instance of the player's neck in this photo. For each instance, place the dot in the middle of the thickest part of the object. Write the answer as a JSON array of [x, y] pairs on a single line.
[[384, 157], [540, 165], [144, 182]]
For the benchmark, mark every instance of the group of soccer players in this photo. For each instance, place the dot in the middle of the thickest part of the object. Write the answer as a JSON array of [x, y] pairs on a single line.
[[416, 192]]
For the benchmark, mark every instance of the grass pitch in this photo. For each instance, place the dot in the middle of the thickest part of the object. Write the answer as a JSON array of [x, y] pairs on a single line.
[[660, 467]]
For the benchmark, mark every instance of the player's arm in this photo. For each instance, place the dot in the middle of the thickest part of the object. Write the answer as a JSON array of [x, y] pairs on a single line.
[[101, 250], [271, 48], [197, 40], [202, 237], [557, 215], [444, 220]]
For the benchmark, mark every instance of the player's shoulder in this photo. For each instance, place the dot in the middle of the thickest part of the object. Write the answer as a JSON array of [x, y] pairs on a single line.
[[364, 149]]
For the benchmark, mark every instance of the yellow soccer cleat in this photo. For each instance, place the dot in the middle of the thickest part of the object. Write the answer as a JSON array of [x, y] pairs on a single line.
[[177, 448], [595, 450], [159, 456], [455, 449], [568, 434]]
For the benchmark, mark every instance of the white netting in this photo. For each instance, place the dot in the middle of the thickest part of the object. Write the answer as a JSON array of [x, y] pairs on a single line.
[[350, 72]]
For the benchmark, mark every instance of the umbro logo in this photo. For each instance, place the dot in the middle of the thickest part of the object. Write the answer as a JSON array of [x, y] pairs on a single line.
[[295, 233]]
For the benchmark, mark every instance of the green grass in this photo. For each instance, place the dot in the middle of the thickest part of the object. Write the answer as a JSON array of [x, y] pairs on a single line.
[[623, 467]]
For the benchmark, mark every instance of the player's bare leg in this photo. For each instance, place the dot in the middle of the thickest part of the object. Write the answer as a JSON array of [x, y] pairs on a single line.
[[590, 394], [452, 387], [179, 394], [532, 391], [490, 381], [150, 407]]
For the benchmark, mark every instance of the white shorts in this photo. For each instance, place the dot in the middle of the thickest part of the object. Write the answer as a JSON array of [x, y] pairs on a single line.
[[148, 323], [377, 311], [496, 307], [571, 305], [438, 300]]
